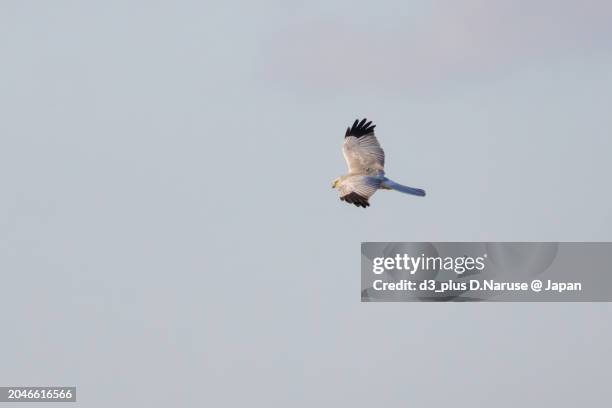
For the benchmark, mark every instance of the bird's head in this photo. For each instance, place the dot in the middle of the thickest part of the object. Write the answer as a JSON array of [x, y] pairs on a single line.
[[335, 182]]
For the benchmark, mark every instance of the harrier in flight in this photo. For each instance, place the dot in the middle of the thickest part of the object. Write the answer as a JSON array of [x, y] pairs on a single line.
[[366, 161]]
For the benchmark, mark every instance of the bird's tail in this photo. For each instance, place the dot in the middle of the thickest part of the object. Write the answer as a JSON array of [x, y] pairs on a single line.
[[390, 184]]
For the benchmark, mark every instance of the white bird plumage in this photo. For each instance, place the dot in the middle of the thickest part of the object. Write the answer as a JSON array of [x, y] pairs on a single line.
[[366, 167]]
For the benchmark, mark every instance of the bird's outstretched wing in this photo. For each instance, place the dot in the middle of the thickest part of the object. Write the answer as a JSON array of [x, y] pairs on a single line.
[[361, 149], [358, 189]]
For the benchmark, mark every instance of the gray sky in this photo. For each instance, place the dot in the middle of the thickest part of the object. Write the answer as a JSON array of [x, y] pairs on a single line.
[[169, 235]]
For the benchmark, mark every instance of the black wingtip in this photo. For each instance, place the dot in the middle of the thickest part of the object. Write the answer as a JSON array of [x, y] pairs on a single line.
[[356, 199], [360, 128]]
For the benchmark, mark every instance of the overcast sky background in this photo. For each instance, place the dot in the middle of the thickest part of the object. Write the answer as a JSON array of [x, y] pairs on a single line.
[[168, 235]]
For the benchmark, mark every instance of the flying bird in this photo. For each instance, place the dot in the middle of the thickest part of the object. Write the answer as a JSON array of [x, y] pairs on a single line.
[[366, 167]]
